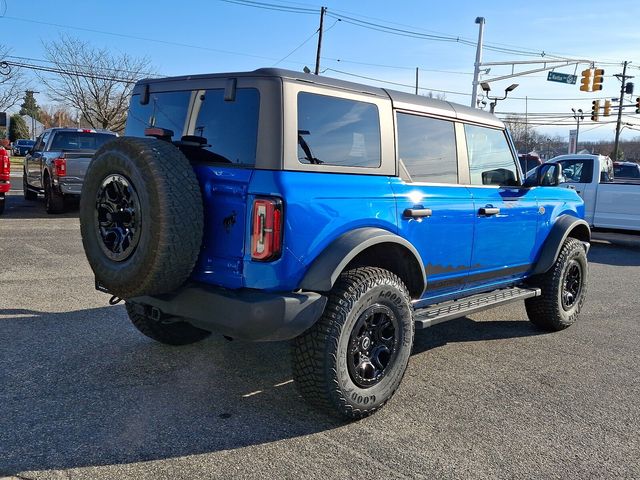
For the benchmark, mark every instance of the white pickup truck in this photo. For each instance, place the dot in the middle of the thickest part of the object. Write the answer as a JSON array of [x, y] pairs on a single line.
[[609, 203]]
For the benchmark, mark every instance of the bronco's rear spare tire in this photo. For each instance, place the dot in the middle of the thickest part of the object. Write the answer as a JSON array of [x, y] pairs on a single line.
[[141, 217]]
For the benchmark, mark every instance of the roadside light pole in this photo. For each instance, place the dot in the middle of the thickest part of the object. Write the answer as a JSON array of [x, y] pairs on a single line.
[[487, 88], [476, 66], [577, 116]]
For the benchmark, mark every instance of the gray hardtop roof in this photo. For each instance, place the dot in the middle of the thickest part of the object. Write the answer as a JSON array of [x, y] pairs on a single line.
[[400, 99]]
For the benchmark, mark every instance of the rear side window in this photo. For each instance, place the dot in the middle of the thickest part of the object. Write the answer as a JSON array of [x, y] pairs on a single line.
[[230, 128], [427, 147], [79, 140], [577, 170], [338, 131], [166, 110], [490, 159]]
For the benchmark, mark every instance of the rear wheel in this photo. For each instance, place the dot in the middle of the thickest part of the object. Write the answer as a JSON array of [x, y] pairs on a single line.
[[353, 359], [27, 192], [170, 331], [564, 289], [53, 199]]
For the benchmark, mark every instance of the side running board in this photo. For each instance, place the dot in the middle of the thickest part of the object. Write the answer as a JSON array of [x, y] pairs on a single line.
[[441, 312]]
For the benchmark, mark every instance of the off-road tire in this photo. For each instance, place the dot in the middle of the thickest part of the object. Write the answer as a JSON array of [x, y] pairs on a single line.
[[548, 311], [169, 333], [53, 199], [27, 192], [320, 355], [171, 217]]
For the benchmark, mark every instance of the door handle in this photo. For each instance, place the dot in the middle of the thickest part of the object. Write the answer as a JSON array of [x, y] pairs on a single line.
[[416, 212], [488, 211]]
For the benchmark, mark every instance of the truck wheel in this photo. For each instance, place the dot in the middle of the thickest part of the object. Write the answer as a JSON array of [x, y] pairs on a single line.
[[141, 217], [27, 192], [53, 200], [564, 289], [172, 332], [353, 359]]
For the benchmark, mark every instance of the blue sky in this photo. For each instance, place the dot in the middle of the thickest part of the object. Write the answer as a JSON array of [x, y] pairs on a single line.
[[214, 36]]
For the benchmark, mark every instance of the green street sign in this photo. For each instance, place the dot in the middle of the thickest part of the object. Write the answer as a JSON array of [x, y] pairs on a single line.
[[562, 78]]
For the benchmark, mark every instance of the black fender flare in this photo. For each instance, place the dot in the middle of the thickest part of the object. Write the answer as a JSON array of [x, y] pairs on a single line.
[[325, 269], [562, 228]]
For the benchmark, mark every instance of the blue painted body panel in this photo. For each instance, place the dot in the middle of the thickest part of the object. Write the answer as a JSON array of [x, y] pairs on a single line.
[[463, 252]]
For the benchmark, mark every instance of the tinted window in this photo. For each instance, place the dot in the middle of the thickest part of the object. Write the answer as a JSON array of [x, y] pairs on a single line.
[[427, 147], [628, 171], [337, 131], [490, 159], [577, 170], [79, 140], [231, 128], [165, 110]]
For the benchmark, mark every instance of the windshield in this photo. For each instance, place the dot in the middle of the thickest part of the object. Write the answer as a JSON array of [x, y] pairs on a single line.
[[79, 140], [26, 143]]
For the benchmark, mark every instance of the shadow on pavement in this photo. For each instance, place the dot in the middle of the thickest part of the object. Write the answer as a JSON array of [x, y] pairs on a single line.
[[84, 388], [624, 255], [17, 207], [467, 330]]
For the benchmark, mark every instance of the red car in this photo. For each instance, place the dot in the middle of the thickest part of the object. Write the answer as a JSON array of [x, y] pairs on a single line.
[[5, 173]]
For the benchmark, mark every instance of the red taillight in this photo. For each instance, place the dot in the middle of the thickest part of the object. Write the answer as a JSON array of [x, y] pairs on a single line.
[[5, 165], [60, 165], [266, 229]]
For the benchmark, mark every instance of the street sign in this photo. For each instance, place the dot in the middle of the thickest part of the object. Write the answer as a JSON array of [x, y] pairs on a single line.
[[562, 78]]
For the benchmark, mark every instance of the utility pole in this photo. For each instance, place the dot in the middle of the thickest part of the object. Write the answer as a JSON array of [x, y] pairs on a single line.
[[416, 80], [322, 12], [622, 87], [476, 66], [577, 116]]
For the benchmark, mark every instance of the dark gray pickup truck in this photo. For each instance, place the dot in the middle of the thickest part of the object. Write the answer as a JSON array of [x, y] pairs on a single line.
[[57, 163]]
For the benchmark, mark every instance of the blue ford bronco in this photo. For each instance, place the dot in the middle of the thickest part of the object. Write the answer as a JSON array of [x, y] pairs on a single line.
[[276, 205]]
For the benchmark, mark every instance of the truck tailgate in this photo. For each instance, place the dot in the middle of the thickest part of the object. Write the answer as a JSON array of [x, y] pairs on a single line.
[[77, 163]]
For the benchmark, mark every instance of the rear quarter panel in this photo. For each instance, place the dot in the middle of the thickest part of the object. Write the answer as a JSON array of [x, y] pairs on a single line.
[[617, 205]]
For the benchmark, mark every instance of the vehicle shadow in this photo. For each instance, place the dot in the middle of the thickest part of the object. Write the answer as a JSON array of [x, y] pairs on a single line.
[[616, 254], [84, 388], [17, 207], [467, 330]]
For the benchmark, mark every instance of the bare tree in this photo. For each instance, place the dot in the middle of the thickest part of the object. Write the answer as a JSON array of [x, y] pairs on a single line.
[[12, 83], [93, 80], [58, 116]]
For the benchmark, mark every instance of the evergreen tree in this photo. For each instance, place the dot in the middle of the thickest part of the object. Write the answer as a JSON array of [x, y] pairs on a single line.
[[17, 128], [30, 106]]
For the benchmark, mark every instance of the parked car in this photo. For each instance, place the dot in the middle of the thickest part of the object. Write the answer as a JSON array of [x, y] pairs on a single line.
[[21, 147], [626, 170], [5, 176], [276, 205], [609, 203], [57, 164]]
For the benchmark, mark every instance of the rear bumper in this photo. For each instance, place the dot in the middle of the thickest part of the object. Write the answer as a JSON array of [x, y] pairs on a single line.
[[4, 186], [70, 185], [244, 314]]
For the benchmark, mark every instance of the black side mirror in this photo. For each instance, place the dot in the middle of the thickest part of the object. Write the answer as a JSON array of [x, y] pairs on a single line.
[[549, 175]]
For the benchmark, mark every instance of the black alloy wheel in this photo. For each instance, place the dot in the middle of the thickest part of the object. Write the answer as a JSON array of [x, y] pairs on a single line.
[[571, 285], [118, 217], [372, 345]]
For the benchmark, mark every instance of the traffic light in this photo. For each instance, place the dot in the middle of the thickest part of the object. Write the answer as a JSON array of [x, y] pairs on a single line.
[[638, 105], [607, 108], [585, 82], [595, 107], [598, 75]]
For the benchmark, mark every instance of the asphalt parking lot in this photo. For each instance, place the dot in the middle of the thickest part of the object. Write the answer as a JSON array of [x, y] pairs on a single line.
[[84, 395]]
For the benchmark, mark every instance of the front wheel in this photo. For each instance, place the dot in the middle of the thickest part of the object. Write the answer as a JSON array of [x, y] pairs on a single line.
[[353, 359], [27, 192], [564, 289]]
